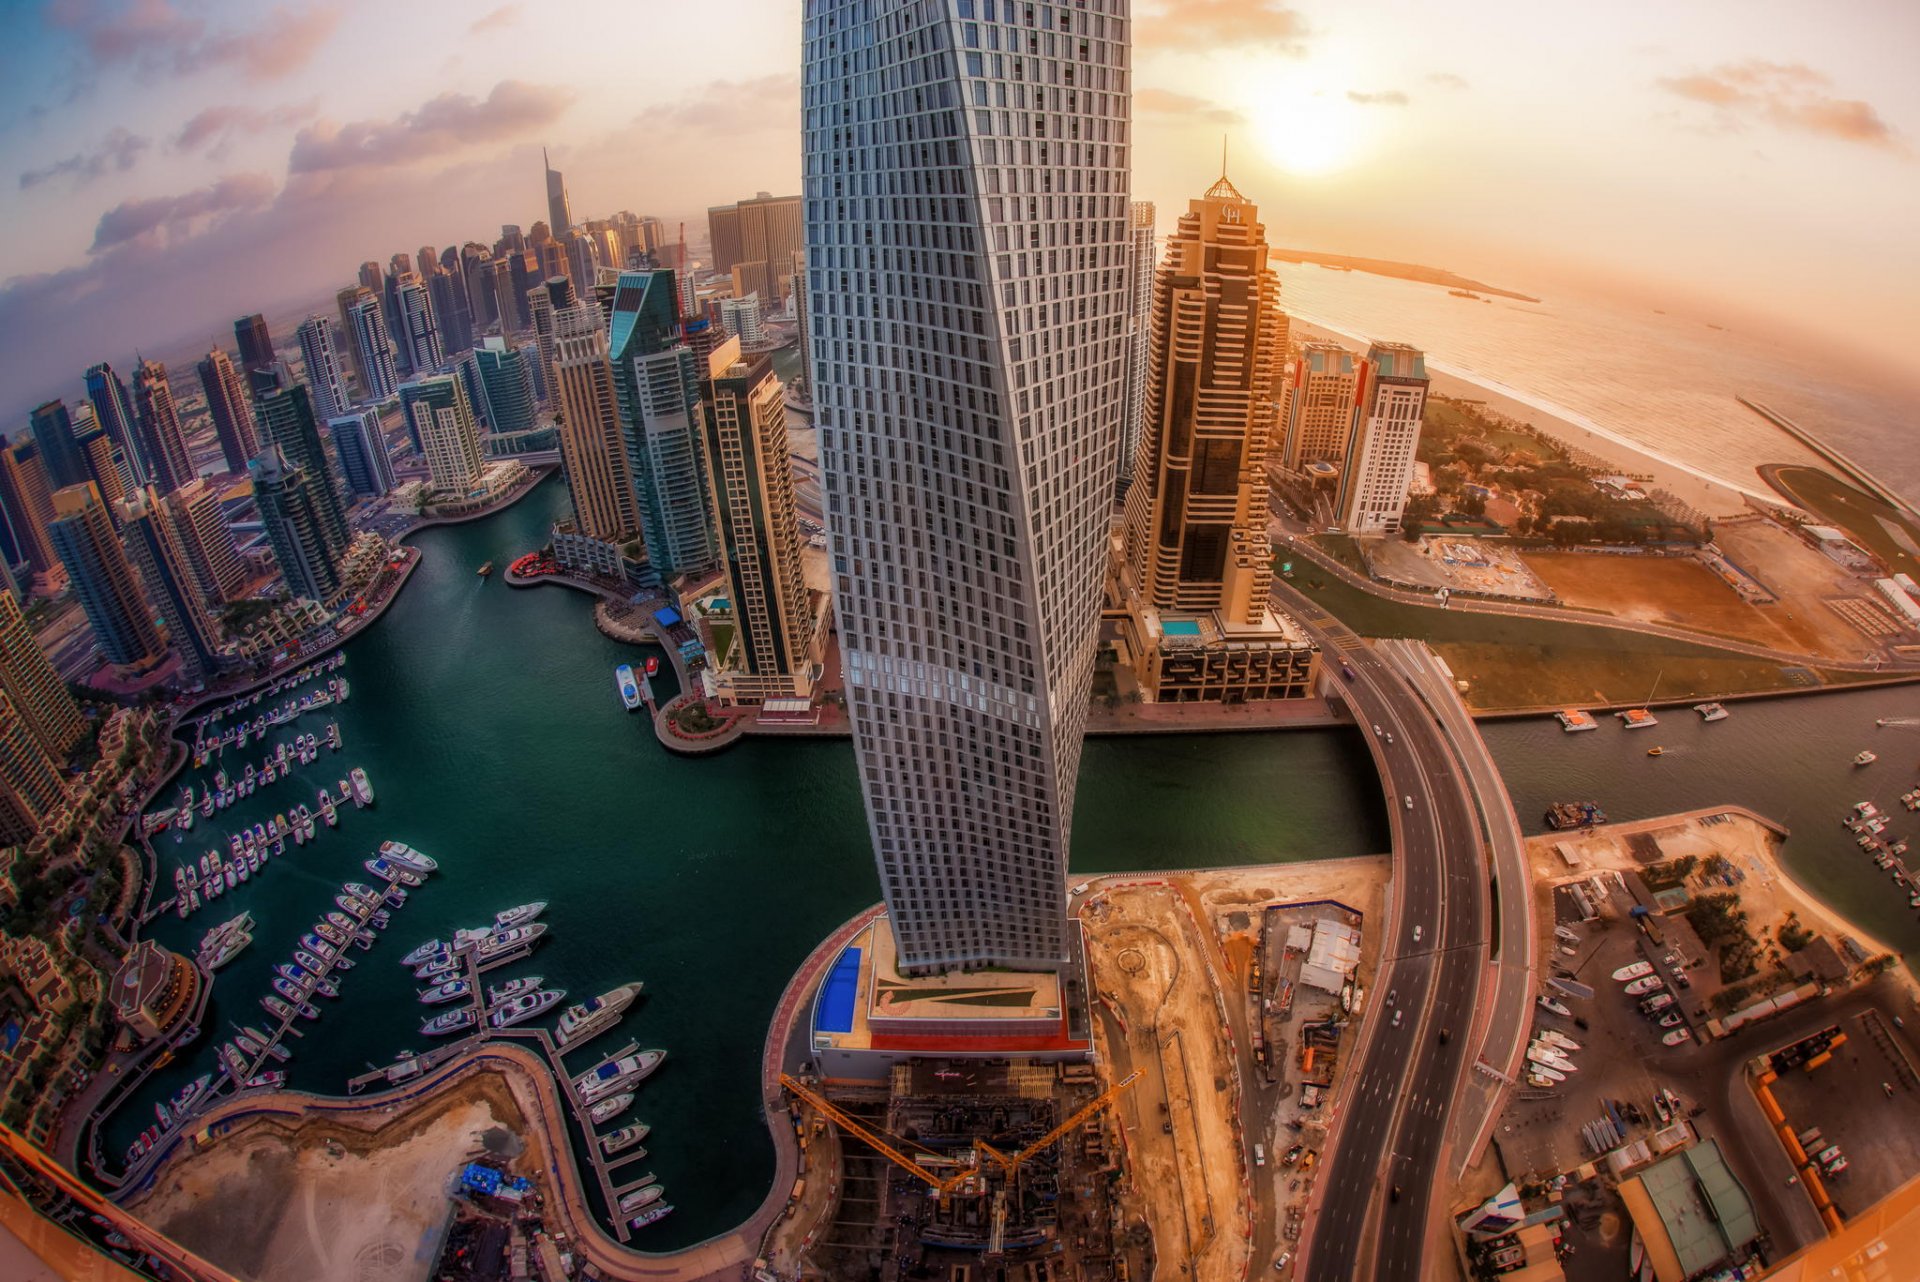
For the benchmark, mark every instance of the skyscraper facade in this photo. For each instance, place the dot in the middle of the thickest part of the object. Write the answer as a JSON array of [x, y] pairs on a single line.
[[326, 378], [29, 502], [754, 242], [969, 315], [559, 213], [1386, 437], [591, 444], [506, 383], [52, 428], [452, 316], [361, 447], [30, 783], [364, 318], [295, 527], [163, 442], [205, 538], [659, 398], [751, 472], [30, 681], [103, 581], [740, 317], [101, 458], [1140, 272], [230, 407], [1320, 405], [254, 342], [442, 420], [163, 567], [286, 420], [113, 405], [422, 336]]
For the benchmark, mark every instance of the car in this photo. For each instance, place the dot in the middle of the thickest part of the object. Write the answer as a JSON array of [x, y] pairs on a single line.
[[1446, 1035], [1408, 800], [1282, 1260], [1293, 1155], [1396, 1017], [1393, 1194], [1259, 1155], [1416, 934], [1376, 727], [1393, 995], [1389, 736]]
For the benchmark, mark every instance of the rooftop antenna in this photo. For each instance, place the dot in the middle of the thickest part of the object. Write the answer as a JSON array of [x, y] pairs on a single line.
[[1223, 155]]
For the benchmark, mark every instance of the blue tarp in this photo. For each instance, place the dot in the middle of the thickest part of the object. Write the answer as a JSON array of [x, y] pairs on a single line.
[[835, 1012], [666, 616]]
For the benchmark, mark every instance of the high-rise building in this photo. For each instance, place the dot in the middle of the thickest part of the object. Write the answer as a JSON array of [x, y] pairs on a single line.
[[325, 378], [295, 528], [505, 376], [363, 317], [1379, 464], [286, 420], [659, 391], [1196, 570], [230, 407], [508, 297], [476, 271], [398, 270], [969, 497], [30, 680], [559, 214], [168, 575], [754, 242], [584, 260], [1320, 405], [30, 784], [201, 530], [372, 277], [1133, 401], [101, 458], [103, 581], [803, 332], [28, 496], [740, 317], [453, 318], [113, 404], [591, 445], [163, 442], [751, 472], [442, 420], [255, 344], [417, 322], [361, 447], [540, 321], [52, 429]]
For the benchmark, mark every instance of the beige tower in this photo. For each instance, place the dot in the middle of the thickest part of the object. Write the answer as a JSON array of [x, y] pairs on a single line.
[[30, 782], [604, 506], [1320, 405], [1195, 568], [193, 512], [28, 678]]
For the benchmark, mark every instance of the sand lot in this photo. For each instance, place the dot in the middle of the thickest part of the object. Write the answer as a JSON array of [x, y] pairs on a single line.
[[322, 1200], [1802, 578]]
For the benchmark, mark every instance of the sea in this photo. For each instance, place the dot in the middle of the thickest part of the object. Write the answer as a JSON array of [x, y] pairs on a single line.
[[1662, 380]]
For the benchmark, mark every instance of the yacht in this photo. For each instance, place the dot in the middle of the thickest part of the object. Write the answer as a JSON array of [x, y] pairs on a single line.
[[437, 967], [451, 990], [629, 688], [628, 1070], [423, 952], [507, 919], [642, 1198], [589, 1018], [624, 1138], [1645, 984], [505, 941], [226, 941], [392, 872], [1637, 970], [502, 993], [311, 964], [449, 1022], [327, 812], [525, 1007], [271, 1081], [608, 1109], [652, 1215], [399, 852], [362, 790], [336, 936], [1710, 711]]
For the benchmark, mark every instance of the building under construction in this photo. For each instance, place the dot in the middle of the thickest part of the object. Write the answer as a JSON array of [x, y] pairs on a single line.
[[977, 1171]]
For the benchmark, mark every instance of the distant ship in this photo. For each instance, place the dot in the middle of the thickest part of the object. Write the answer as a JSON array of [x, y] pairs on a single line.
[[629, 689]]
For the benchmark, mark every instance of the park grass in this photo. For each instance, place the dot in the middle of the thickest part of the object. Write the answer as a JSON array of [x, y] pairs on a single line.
[[1861, 515], [1511, 662]]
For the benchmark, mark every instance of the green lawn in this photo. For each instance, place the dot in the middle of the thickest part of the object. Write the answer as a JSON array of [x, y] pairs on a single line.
[[722, 640], [1863, 517]]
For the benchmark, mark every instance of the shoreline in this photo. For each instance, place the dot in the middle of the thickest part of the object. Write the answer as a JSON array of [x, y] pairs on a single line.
[[1713, 495]]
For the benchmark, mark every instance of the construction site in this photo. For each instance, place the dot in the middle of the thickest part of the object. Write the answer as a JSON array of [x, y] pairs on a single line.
[[974, 1171]]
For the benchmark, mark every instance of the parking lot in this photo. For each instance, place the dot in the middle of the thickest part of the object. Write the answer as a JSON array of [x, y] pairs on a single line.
[[1866, 1100]]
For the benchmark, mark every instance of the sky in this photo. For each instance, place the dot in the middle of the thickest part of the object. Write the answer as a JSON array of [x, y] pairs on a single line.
[[170, 164]]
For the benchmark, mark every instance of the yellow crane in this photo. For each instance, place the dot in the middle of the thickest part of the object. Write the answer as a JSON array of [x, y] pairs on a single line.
[[942, 1186]]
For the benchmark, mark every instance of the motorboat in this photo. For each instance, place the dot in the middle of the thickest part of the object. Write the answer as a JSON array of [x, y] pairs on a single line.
[[399, 852], [450, 991], [623, 1139], [393, 873], [519, 915], [1638, 969], [525, 1007], [505, 941], [1548, 1004], [607, 1109], [423, 952], [1645, 984], [1865, 758], [1677, 1036], [628, 688], [502, 993], [585, 1019], [652, 1215], [642, 1198], [449, 1022], [618, 1074]]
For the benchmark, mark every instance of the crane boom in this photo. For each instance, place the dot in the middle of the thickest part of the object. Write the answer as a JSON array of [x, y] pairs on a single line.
[[873, 1139], [1080, 1115]]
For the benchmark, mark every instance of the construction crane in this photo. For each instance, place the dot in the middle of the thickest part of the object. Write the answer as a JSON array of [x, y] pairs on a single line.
[[883, 1144]]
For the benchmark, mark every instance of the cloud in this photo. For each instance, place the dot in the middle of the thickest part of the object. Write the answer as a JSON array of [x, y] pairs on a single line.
[[119, 151], [1165, 102], [1790, 96], [1384, 98], [1206, 25], [215, 127], [730, 106], [154, 37], [443, 124], [1446, 80], [493, 20], [163, 219]]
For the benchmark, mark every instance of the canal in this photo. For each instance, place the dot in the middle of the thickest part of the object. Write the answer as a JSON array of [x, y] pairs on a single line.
[[487, 720]]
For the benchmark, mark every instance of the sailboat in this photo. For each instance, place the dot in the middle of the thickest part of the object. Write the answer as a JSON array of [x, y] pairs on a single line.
[[1640, 718]]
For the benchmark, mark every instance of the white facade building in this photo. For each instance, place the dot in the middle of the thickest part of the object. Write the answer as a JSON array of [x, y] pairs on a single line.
[[1140, 270], [325, 376], [741, 318], [1379, 471], [966, 186]]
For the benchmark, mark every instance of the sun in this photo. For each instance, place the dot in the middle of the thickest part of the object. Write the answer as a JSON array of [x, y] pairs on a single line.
[[1307, 133]]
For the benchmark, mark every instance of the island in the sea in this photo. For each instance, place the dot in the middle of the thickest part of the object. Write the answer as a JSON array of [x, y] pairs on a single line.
[[1399, 271]]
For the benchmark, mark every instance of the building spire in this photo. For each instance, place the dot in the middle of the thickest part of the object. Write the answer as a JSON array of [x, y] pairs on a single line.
[[1224, 190]]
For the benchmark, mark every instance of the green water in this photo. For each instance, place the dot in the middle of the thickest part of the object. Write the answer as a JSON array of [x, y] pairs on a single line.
[[487, 720]]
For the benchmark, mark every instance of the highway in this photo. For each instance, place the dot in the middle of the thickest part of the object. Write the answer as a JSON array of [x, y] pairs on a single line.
[[1373, 1205]]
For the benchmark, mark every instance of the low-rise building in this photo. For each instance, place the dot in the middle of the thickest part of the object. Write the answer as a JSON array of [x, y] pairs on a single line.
[[153, 990], [1691, 1214], [39, 971]]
